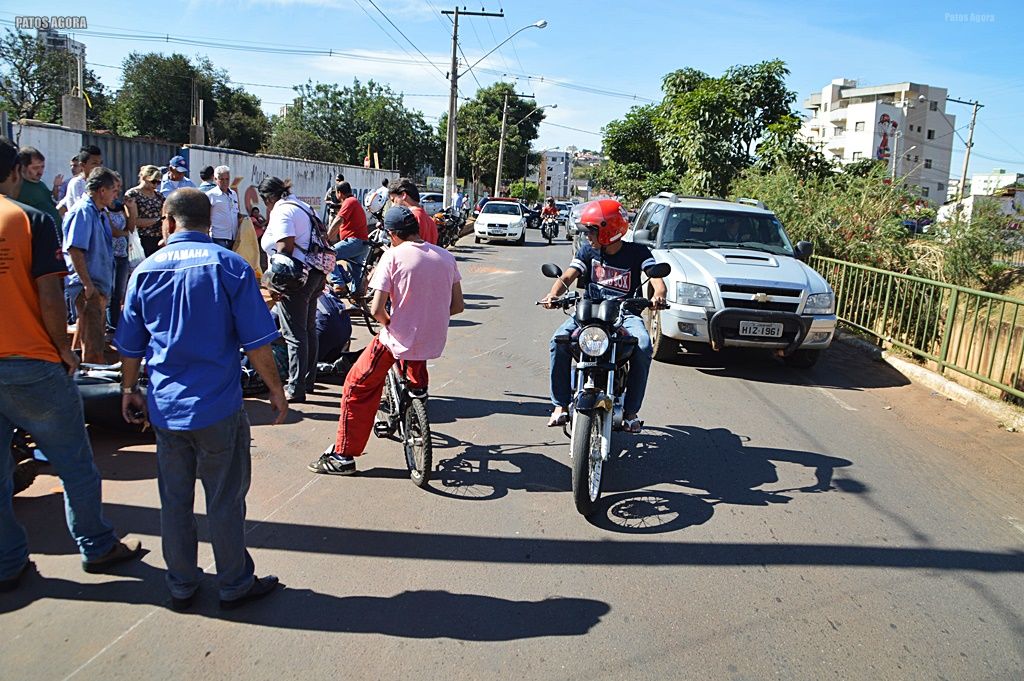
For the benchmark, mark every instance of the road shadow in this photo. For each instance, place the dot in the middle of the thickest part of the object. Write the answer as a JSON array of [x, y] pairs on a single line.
[[711, 467], [412, 614], [450, 408], [456, 322], [841, 367], [488, 472], [40, 516], [481, 296]]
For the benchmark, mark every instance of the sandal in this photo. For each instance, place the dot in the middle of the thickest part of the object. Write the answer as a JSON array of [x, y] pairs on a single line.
[[633, 425], [559, 420]]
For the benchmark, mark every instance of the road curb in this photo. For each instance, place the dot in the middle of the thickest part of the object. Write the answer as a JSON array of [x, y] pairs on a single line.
[[1008, 417]]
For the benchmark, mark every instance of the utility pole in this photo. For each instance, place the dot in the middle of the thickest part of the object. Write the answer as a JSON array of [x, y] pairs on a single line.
[[970, 143], [501, 147], [451, 156]]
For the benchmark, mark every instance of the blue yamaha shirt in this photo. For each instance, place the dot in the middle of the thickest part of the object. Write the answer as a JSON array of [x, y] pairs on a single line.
[[188, 309]]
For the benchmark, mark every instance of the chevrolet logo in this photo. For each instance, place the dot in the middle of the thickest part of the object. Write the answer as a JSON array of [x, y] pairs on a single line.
[[760, 297]]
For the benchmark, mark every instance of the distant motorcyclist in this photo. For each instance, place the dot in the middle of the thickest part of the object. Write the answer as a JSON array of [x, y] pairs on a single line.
[[612, 269], [550, 209]]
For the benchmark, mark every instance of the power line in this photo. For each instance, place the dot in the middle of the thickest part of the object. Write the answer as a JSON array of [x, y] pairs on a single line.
[[388, 19], [513, 44], [556, 125], [1005, 141]]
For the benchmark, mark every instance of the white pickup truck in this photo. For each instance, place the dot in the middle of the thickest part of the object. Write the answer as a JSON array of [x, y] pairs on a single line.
[[736, 281]]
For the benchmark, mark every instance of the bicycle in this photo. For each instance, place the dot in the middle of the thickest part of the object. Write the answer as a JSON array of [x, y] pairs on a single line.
[[403, 412]]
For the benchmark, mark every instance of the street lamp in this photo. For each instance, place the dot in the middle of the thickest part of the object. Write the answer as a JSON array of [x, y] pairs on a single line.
[[451, 158], [501, 141]]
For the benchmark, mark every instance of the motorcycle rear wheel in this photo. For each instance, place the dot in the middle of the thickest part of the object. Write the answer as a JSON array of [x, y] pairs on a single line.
[[587, 464]]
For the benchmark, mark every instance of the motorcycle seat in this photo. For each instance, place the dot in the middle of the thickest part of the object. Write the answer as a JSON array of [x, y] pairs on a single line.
[[99, 367]]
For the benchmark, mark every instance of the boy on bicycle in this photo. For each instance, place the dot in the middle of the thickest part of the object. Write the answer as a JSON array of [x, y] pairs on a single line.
[[411, 275]]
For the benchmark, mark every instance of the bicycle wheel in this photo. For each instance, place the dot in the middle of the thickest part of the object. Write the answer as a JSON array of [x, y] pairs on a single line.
[[419, 452]]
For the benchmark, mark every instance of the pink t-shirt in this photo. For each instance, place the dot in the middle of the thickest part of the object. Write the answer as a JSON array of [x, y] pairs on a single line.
[[419, 277]]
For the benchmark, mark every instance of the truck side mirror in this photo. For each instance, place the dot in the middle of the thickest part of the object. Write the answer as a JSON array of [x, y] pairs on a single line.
[[643, 237], [804, 250]]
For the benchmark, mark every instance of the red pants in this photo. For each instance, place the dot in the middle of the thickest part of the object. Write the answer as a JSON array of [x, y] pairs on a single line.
[[361, 395]]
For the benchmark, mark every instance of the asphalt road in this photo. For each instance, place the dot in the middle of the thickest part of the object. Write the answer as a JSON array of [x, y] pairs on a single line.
[[768, 524]]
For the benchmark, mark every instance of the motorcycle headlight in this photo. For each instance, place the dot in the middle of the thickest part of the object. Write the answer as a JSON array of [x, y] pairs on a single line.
[[593, 341], [694, 294], [820, 303]]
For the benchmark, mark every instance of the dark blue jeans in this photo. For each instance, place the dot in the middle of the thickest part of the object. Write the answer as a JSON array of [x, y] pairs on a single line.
[[41, 398], [639, 366], [218, 456], [121, 272]]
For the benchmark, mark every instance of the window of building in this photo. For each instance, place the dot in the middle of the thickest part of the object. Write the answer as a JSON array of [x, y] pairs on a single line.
[[548, 178], [919, 128], [924, 191], [826, 106], [916, 158], [550, 169], [840, 131], [858, 126], [931, 134], [940, 186], [547, 188], [933, 106], [857, 156], [927, 163]]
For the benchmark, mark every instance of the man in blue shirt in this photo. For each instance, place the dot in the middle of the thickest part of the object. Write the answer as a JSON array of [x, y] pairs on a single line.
[[188, 309], [89, 254], [176, 177]]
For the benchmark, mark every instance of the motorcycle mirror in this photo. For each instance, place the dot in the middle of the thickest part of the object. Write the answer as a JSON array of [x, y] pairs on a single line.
[[551, 271], [659, 271]]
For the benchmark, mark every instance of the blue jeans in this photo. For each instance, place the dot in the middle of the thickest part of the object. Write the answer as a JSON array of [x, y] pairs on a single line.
[[41, 398], [356, 251], [218, 456], [121, 272], [639, 366]]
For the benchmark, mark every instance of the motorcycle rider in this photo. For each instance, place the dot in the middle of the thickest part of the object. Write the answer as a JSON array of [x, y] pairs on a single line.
[[550, 212], [612, 269]]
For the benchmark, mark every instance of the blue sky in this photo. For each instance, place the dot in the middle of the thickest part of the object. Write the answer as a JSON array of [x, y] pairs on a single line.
[[969, 47]]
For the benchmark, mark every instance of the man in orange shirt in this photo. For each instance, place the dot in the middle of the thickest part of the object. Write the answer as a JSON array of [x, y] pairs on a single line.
[[37, 392], [405, 193]]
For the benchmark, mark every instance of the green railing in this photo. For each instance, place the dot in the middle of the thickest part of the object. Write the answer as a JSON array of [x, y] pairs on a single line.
[[977, 334]]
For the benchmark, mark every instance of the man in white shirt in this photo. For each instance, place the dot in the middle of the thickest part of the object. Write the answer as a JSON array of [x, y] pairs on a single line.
[[225, 217], [176, 177], [90, 157]]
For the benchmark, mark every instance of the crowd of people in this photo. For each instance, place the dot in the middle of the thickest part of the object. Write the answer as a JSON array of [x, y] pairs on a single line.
[[183, 316]]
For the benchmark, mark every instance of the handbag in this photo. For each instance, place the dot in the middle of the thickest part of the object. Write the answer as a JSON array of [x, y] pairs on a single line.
[[135, 253], [319, 254]]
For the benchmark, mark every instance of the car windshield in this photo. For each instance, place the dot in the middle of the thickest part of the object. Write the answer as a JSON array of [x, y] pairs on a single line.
[[430, 198], [501, 208], [701, 228]]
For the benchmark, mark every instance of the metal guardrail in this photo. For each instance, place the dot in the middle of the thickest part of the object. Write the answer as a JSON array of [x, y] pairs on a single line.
[[975, 333]]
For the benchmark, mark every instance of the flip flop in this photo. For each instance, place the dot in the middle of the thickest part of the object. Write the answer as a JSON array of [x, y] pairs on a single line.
[[559, 420], [633, 425]]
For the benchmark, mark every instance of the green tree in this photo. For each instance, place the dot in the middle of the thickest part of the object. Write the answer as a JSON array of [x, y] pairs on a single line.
[[155, 99], [634, 138], [532, 191], [333, 123], [783, 146], [239, 122], [32, 78], [479, 133]]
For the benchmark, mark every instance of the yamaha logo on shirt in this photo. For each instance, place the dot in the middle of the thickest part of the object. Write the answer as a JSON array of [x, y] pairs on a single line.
[[183, 254]]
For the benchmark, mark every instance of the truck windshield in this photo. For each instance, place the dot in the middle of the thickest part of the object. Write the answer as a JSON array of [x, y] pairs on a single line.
[[696, 228]]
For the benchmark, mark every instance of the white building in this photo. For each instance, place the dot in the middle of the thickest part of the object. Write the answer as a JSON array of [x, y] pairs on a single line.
[[904, 124], [54, 40], [555, 173], [988, 183]]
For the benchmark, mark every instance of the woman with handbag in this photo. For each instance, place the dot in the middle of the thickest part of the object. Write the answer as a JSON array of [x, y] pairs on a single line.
[[289, 233], [144, 203]]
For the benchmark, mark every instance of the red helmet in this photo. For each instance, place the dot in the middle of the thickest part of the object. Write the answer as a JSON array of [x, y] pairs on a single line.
[[607, 217]]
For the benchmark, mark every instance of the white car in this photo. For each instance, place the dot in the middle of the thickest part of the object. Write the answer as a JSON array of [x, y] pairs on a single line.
[[736, 281], [501, 220]]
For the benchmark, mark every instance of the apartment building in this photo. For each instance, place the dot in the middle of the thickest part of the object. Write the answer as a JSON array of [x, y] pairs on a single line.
[[555, 173], [54, 40], [988, 183], [904, 124]]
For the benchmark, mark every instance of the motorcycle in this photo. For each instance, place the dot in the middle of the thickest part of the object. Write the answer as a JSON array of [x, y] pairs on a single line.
[[549, 228], [100, 388], [450, 223], [601, 350]]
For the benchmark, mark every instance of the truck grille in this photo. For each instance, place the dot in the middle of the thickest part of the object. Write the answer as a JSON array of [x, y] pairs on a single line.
[[769, 290], [754, 305]]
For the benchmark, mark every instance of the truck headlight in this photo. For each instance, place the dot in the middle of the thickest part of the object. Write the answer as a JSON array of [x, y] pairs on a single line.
[[694, 294], [593, 341], [820, 303]]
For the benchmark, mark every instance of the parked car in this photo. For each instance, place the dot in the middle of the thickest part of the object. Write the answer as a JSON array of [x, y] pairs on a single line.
[[432, 202], [564, 207], [480, 204], [501, 219], [572, 227], [736, 281]]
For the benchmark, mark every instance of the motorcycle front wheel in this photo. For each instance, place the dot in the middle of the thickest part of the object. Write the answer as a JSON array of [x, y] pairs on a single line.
[[587, 463]]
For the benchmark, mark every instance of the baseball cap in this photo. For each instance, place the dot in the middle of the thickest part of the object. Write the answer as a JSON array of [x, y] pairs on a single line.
[[400, 219], [178, 163]]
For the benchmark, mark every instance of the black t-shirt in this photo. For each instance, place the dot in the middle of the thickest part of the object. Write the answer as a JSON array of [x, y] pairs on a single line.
[[613, 276]]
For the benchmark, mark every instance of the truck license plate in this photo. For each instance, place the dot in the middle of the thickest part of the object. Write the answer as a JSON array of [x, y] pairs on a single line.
[[761, 329]]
